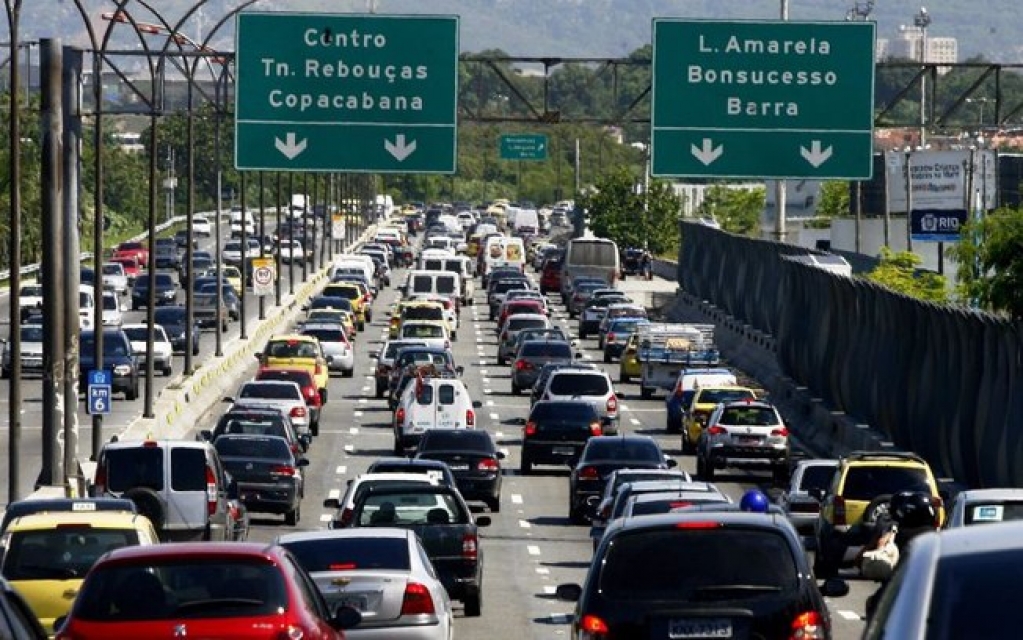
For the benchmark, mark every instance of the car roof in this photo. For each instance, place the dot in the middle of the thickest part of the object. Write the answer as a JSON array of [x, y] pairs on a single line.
[[721, 513], [396, 533], [154, 443], [999, 536], [527, 316], [982, 495], [829, 462], [194, 550], [297, 337], [54, 519], [671, 484], [573, 368], [391, 476]]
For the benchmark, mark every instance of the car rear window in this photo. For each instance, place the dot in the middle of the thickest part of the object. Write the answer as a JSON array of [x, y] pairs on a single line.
[[504, 286], [188, 469], [987, 512], [251, 425], [516, 323], [666, 505], [866, 482], [325, 335], [269, 391], [61, 553], [986, 582], [547, 350], [457, 440], [620, 449], [576, 412], [749, 416], [423, 313], [422, 331], [446, 284], [578, 384], [351, 554], [398, 508], [717, 396], [291, 349], [182, 589], [272, 448], [135, 467], [698, 565], [817, 477], [446, 394]]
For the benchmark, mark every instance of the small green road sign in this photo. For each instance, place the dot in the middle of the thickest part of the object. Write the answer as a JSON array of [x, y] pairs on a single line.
[[524, 146], [762, 99], [344, 92]]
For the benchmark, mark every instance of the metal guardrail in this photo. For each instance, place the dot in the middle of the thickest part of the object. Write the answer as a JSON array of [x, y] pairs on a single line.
[[88, 255]]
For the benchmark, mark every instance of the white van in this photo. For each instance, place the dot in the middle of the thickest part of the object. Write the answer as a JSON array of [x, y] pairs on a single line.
[[597, 257], [348, 261], [86, 307], [440, 283], [527, 222], [462, 265], [432, 403], [503, 251]]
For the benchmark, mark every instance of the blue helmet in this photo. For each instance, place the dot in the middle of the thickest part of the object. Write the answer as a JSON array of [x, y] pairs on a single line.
[[755, 501]]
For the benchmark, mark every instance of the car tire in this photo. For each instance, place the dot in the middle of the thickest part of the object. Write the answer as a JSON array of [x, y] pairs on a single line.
[[132, 393], [314, 428], [494, 504], [168, 370], [646, 393], [624, 378], [348, 373], [878, 507], [672, 426], [399, 450], [292, 517], [474, 605], [5, 373], [823, 567], [516, 391], [360, 326], [380, 392], [525, 465], [607, 357]]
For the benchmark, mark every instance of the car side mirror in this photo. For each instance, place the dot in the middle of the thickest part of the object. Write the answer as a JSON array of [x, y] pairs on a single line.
[[476, 404], [332, 503], [302, 462], [671, 462], [568, 592], [206, 435], [459, 370], [228, 399], [500, 455], [482, 521]]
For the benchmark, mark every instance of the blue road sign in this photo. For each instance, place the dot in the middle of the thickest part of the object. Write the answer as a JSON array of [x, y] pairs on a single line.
[[99, 392], [99, 377]]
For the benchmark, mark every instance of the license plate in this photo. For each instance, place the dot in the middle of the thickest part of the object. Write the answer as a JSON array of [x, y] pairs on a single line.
[[563, 451], [458, 467], [749, 439], [700, 628], [356, 602]]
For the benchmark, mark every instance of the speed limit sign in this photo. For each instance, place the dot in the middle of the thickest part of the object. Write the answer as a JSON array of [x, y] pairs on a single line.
[[263, 276]]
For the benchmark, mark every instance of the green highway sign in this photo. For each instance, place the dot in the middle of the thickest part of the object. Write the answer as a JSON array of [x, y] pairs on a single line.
[[764, 99], [524, 146], [346, 92]]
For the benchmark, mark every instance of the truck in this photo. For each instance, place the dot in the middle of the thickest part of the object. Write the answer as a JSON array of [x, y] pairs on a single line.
[[664, 349]]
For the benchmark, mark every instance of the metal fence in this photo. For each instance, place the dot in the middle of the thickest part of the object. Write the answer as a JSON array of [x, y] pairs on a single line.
[[943, 381]]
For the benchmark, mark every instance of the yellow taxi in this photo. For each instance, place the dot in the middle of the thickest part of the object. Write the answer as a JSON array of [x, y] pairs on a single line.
[[705, 399], [233, 276], [629, 367], [352, 292], [296, 351], [408, 209], [46, 555]]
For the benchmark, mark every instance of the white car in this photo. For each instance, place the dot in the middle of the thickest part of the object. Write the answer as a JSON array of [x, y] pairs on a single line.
[[112, 310], [434, 334], [31, 351], [433, 403], [114, 278], [30, 298], [292, 251], [339, 351], [202, 226], [163, 350], [278, 394]]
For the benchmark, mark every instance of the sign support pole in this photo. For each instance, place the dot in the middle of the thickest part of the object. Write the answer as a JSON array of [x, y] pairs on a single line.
[[780, 186]]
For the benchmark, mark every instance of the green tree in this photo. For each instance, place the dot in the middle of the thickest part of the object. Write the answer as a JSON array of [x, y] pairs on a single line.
[[736, 210], [898, 272], [623, 213], [990, 257], [834, 200]]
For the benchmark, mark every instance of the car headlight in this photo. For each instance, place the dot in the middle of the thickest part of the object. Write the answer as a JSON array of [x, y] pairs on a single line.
[[122, 370]]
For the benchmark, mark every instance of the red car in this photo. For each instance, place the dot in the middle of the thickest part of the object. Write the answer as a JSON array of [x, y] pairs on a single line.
[[221, 590], [550, 276], [137, 250], [514, 307], [132, 267]]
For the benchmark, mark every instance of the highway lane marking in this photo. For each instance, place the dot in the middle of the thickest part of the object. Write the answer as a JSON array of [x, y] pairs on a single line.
[[488, 391], [848, 615], [495, 417], [490, 403], [349, 448], [326, 517], [549, 589], [486, 380], [334, 493], [505, 451], [479, 338], [524, 524], [544, 571], [359, 414], [624, 407], [533, 550], [516, 498], [634, 421], [365, 388], [341, 470], [483, 372], [499, 435], [363, 400], [354, 431]]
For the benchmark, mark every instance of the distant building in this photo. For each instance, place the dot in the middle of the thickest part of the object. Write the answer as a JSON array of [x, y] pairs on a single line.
[[910, 41]]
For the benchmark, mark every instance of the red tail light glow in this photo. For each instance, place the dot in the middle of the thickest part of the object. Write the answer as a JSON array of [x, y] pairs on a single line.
[[589, 473], [100, 481], [610, 337], [595, 428], [529, 429], [283, 470], [470, 418], [298, 412], [399, 415], [211, 492], [716, 430], [698, 525], [487, 464], [522, 365], [782, 432], [612, 405], [593, 625], [808, 625], [470, 549], [417, 600]]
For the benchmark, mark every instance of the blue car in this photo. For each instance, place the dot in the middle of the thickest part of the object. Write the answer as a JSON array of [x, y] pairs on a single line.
[[118, 360]]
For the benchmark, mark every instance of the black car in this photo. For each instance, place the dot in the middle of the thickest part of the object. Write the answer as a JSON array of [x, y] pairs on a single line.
[[472, 458], [227, 295], [601, 456], [118, 361], [435, 468], [632, 261], [703, 572], [556, 432], [267, 473], [181, 239], [259, 421], [444, 524], [200, 264], [168, 257], [174, 320], [166, 290]]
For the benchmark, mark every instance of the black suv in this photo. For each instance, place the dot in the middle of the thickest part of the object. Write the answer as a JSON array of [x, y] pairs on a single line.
[[472, 458], [166, 290], [444, 524], [703, 572], [556, 432]]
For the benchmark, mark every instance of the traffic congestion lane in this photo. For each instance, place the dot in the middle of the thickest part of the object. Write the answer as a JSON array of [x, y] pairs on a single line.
[[123, 411], [531, 547]]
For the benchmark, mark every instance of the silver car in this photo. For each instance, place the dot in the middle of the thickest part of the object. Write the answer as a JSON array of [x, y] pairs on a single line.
[[591, 385], [984, 506], [32, 338], [512, 326], [115, 278], [279, 394], [798, 502], [338, 350], [384, 573], [961, 583]]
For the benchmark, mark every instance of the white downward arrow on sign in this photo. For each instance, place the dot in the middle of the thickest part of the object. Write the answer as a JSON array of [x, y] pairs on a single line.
[[708, 153], [815, 155], [398, 148], [289, 147]]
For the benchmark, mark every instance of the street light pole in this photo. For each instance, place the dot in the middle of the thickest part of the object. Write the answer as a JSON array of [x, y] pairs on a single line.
[[922, 20]]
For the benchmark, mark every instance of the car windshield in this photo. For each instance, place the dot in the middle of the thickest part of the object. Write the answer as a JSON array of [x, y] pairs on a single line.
[[169, 316], [291, 349], [518, 324], [113, 345], [111, 270], [270, 391], [423, 313], [249, 447], [698, 565], [578, 384], [750, 416], [422, 358], [866, 482], [326, 335], [351, 554], [610, 448], [61, 553], [665, 505], [179, 588], [32, 292], [718, 396], [503, 286], [986, 582], [110, 303]]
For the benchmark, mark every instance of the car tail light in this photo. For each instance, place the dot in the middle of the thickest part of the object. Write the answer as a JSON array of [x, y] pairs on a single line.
[[487, 464], [807, 626], [522, 365], [710, 524], [610, 337], [593, 625], [612, 405], [595, 428], [399, 416], [589, 473], [100, 480], [211, 492], [470, 418], [937, 503], [417, 600], [298, 412], [839, 508], [470, 548], [781, 432], [283, 470], [717, 430], [346, 517]]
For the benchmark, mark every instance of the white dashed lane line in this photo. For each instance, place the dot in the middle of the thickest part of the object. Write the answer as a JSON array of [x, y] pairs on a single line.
[[349, 448], [533, 550], [334, 493], [524, 524], [341, 470], [495, 417], [849, 615], [516, 498]]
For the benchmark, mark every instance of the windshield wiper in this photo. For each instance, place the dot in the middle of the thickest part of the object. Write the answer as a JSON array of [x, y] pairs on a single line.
[[726, 591]]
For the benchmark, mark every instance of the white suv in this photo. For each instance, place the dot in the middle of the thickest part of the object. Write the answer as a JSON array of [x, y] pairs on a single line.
[[747, 434], [590, 384]]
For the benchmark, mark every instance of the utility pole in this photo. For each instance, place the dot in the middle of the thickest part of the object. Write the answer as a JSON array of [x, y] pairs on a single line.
[[922, 20], [14, 251], [780, 231], [72, 98]]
